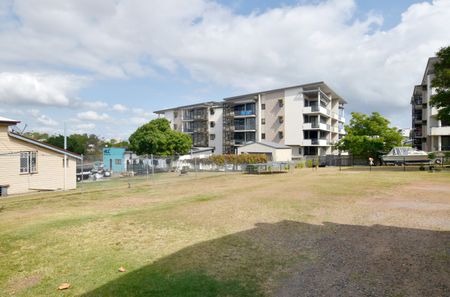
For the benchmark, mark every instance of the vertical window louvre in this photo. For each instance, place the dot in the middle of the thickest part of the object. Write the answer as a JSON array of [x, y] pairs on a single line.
[[33, 162], [24, 162]]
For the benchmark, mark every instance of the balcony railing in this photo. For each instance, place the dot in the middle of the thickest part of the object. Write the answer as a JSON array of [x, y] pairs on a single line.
[[242, 141], [244, 112], [244, 127], [315, 125], [315, 141], [316, 109]]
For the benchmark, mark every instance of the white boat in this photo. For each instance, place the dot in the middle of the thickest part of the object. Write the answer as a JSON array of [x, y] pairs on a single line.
[[401, 155]]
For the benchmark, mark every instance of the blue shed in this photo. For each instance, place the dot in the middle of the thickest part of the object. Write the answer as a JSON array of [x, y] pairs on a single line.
[[114, 159]]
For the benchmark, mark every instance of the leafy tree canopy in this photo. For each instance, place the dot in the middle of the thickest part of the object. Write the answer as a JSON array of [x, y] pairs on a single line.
[[441, 82], [76, 143], [156, 137], [369, 136]]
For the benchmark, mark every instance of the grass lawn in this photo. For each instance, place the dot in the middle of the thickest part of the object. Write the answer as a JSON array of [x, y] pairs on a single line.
[[305, 233]]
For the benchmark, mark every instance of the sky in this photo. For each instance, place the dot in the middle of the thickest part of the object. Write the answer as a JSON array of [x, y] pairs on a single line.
[[104, 66]]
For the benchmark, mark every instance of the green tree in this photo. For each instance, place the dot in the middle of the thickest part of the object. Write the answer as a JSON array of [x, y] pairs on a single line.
[[369, 136], [441, 82], [76, 143], [156, 137]]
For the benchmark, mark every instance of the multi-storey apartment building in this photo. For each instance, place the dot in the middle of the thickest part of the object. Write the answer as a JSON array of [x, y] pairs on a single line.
[[309, 118], [428, 133], [202, 121]]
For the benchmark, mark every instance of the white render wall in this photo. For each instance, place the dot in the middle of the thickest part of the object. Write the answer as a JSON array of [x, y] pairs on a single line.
[[217, 117], [293, 129]]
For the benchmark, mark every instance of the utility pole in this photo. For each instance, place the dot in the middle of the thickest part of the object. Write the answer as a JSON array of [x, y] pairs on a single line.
[[65, 156]]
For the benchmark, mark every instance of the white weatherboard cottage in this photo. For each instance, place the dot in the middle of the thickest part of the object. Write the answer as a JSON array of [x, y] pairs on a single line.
[[28, 165]]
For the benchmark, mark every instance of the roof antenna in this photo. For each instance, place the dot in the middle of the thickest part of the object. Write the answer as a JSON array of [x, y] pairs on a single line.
[[23, 130]]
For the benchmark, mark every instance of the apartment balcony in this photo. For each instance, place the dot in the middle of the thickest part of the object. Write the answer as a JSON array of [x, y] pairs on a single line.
[[316, 126], [316, 110], [335, 116], [334, 129], [342, 131], [433, 111], [244, 113], [315, 142], [436, 131], [197, 117], [243, 128], [240, 142]]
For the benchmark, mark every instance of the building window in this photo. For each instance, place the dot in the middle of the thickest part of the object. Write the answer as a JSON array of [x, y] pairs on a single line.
[[263, 121], [67, 162], [212, 124], [175, 127], [280, 134], [280, 103], [175, 114], [33, 162], [24, 168], [212, 136], [280, 119], [263, 106], [118, 162], [263, 135], [28, 162], [211, 111]]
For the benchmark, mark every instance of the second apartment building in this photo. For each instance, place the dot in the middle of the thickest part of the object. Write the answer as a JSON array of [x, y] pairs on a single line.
[[428, 133], [308, 118]]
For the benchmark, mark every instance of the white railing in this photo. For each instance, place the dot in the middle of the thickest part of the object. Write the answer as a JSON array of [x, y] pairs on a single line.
[[316, 109], [315, 142], [440, 130]]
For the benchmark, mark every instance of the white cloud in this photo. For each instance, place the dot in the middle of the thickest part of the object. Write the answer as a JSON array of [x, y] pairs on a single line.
[[37, 88], [139, 120], [84, 128], [93, 116], [94, 104], [42, 118], [119, 107]]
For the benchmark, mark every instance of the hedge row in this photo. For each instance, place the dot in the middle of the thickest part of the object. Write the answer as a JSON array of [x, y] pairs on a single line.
[[238, 159]]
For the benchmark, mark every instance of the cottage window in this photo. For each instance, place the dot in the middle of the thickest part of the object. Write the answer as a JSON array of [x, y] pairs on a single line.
[[263, 136], [118, 161], [212, 136], [280, 134], [280, 103], [263, 121], [263, 106], [28, 162], [33, 162], [24, 168]]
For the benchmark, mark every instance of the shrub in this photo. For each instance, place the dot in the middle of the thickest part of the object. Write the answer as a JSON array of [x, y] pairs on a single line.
[[238, 159], [309, 163], [300, 164]]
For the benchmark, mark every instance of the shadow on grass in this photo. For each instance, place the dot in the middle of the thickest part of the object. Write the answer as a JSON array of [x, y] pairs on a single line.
[[297, 259]]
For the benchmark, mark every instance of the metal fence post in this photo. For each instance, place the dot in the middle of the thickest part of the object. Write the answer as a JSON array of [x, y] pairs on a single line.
[[146, 157], [82, 168], [153, 167]]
